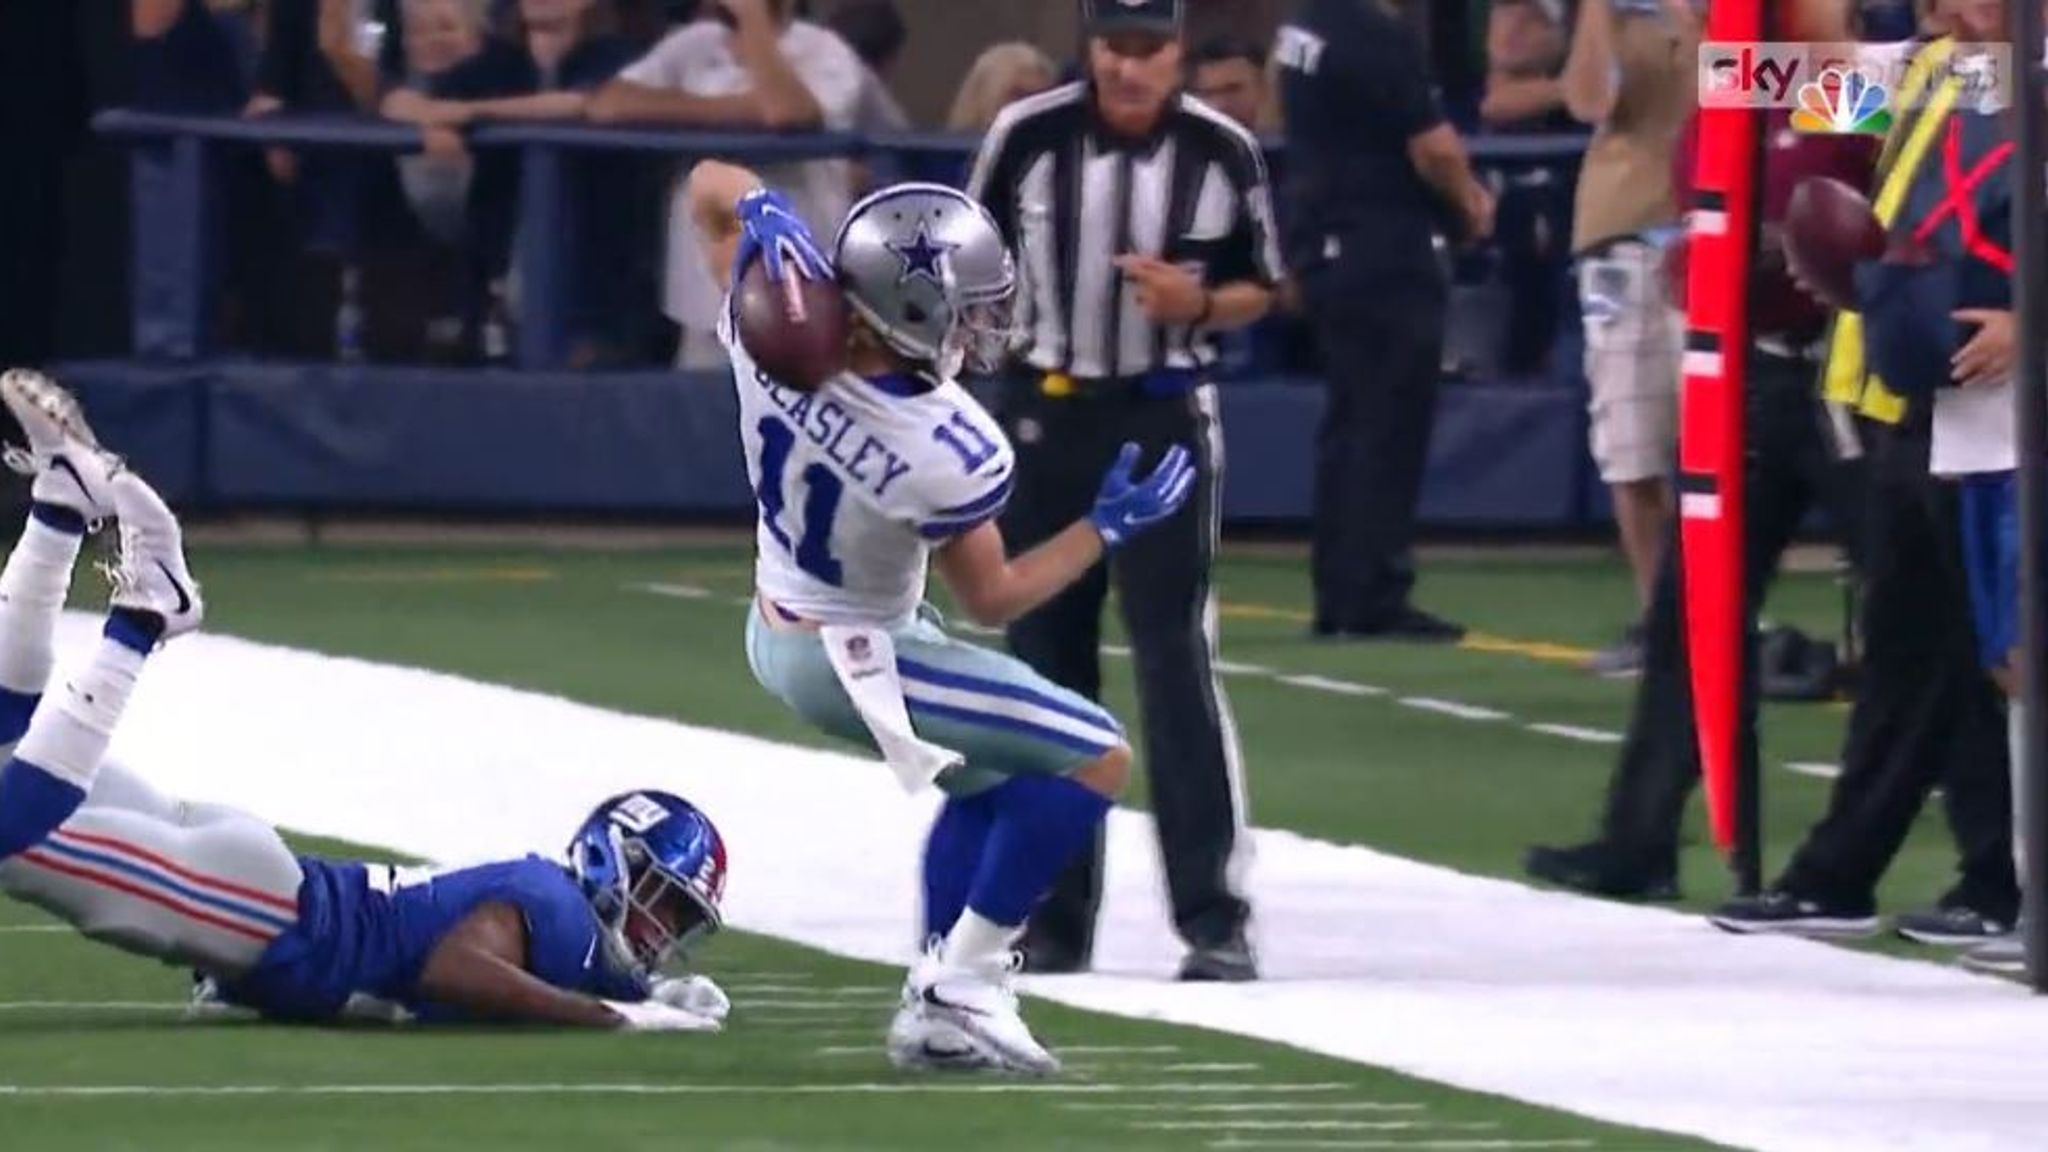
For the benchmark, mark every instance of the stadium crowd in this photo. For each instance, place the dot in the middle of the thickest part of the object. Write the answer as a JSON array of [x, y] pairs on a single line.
[[352, 249]]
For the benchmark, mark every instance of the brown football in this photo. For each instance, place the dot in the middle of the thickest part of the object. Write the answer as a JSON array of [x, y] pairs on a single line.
[[796, 330], [1829, 229]]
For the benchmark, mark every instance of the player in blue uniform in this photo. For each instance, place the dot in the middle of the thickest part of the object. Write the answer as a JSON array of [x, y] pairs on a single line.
[[204, 886]]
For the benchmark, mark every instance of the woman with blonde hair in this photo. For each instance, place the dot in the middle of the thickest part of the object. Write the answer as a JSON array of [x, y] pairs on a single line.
[[1002, 75]]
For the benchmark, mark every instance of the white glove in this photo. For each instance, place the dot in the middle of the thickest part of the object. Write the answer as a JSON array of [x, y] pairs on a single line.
[[696, 995], [655, 1016], [370, 1010]]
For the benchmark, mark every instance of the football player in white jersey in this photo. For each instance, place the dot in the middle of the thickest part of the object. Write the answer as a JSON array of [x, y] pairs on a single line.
[[864, 483]]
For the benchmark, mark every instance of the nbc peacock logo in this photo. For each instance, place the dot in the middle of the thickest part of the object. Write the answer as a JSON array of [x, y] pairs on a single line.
[[1842, 103]]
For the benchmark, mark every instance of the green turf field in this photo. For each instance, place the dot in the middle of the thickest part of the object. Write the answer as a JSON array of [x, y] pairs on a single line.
[[1443, 767]]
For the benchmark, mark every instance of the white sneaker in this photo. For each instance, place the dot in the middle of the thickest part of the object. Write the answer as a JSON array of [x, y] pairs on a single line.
[[921, 1041], [2007, 957], [152, 575], [978, 1002], [71, 470]]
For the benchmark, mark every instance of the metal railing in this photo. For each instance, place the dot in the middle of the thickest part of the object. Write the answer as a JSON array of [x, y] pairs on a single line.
[[175, 262]]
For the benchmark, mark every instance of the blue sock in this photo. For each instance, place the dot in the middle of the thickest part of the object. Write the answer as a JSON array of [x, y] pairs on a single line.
[[952, 855], [1041, 822], [16, 708], [59, 517], [134, 629], [32, 804]]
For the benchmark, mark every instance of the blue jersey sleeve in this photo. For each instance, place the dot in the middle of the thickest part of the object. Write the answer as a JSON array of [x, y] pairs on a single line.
[[563, 942], [959, 519], [563, 945]]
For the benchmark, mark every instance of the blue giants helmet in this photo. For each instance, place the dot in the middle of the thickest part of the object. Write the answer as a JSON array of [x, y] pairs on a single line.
[[653, 867]]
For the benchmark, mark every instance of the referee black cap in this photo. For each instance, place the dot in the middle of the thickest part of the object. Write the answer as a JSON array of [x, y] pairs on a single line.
[[1110, 17]]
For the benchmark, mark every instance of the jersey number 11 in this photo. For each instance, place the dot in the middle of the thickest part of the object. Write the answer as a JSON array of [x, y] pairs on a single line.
[[822, 493]]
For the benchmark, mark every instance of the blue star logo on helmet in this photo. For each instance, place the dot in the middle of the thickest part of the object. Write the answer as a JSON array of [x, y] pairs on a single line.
[[922, 255]]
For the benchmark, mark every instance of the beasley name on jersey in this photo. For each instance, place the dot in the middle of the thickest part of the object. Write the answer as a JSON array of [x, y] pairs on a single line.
[[858, 481], [369, 928]]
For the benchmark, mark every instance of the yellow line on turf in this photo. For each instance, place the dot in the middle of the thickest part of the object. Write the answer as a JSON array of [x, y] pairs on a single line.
[[1541, 651]]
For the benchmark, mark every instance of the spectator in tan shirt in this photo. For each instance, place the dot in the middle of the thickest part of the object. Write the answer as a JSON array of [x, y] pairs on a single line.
[[1631, 74]]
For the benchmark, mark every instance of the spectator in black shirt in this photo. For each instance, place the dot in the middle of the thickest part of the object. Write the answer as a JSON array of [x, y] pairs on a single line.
[[545, 71], [874, 29], [1375, 175], [1525, 54], [439, 35], [190, 59], [1230, 76], [1525, 51]]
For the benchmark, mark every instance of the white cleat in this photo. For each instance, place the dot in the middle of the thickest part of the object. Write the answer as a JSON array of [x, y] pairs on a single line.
[[979, 1004], [152, 575], [71, 470], [921, 1041]]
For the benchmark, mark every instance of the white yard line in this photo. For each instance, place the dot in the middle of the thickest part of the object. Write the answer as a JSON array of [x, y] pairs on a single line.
[[888, 1088], [1574, 732], [1326, 684], [38, 929], [848, 991], [1616, 1012], [1503, 1145], [1815, 769], [1288, 1106], [1239, 1124], [1209, 1068], [94, 1005], [1453, 708], [814, 1007], [672, 591]]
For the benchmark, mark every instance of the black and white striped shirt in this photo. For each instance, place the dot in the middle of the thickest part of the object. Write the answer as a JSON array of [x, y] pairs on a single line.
[[1070, 198]]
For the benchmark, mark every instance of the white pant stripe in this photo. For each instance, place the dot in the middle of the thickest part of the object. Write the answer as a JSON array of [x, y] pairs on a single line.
[[1207, 630], [1005, 708]]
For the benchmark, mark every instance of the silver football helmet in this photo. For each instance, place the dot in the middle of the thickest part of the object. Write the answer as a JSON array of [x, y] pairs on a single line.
[[926, 267]]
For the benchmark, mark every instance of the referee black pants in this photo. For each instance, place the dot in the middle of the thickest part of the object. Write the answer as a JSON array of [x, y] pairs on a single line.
[[1924, 714], [1382, 352], [1162, 576]]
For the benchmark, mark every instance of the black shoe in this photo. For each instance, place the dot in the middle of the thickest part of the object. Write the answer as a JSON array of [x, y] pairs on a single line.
[[1790, 914], [1411, 625], [1953, 926], [1598, 869], [1230, 962], [1045, 957]]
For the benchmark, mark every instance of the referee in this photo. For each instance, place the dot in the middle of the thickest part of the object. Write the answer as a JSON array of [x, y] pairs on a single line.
[[1143, 224]]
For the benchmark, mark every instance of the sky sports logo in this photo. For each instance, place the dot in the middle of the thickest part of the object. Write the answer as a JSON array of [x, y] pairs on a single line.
[[1838, 89]]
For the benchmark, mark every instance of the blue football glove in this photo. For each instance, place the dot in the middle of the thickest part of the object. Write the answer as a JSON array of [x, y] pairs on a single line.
[[1126, 507], [771, 230]]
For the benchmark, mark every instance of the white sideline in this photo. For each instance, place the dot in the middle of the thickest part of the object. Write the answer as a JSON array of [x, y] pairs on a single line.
[[1631, 1015], [886, 1088]]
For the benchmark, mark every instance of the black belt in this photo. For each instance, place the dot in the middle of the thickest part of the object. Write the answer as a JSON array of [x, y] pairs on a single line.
[[1788, 348]]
